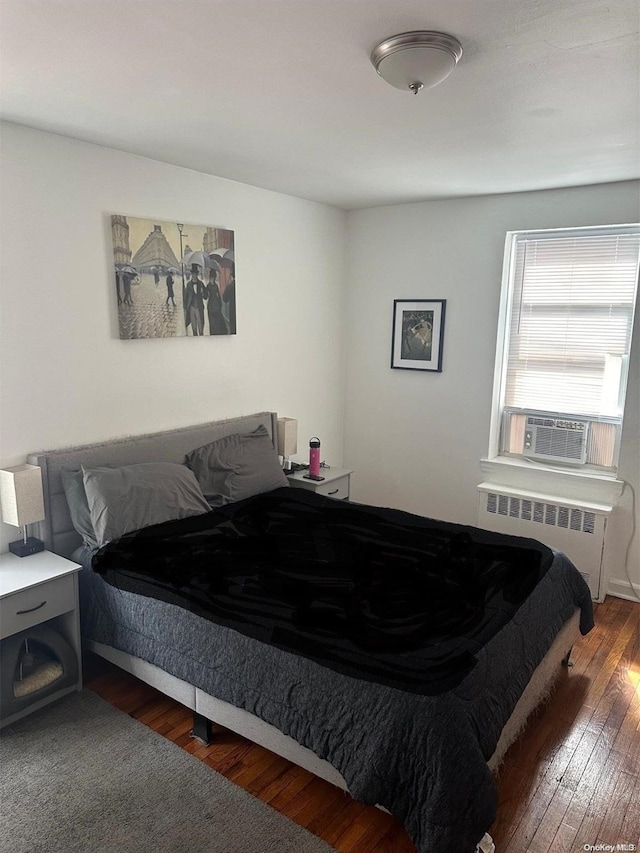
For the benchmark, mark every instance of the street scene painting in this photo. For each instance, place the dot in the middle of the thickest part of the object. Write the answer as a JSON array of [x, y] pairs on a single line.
[[172, 279], [418, 334]]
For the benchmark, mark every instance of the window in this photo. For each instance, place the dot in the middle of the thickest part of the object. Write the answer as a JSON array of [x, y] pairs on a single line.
[[564, 341]]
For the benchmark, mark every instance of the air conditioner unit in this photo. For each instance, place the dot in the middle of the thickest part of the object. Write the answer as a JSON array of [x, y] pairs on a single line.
[[556, 439]]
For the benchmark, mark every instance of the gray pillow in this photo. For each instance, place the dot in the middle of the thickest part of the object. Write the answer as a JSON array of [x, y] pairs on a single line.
[[236, 467], [134, 496], [73, 486]]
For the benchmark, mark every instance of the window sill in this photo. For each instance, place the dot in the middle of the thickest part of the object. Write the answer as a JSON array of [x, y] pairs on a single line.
[[583, 484]]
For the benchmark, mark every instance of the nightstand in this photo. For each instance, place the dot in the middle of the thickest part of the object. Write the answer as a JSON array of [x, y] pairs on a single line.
[[336, 482], [39, 604]]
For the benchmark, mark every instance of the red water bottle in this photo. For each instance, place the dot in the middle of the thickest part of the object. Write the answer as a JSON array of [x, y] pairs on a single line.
[[314, 457]]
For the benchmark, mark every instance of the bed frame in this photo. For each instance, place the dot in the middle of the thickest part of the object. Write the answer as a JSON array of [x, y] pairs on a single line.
[[59, 536]]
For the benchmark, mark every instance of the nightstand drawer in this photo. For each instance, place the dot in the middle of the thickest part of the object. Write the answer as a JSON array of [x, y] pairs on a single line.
[[36, 604], [338, 489]]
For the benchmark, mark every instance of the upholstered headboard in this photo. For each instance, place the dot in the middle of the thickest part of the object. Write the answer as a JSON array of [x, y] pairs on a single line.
[[57, 531]]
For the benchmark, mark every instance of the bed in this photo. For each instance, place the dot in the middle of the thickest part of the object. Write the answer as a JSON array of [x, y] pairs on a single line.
[[427, 756]]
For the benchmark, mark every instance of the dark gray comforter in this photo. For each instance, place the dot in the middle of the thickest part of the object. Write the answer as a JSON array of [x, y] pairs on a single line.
[[422, 757]]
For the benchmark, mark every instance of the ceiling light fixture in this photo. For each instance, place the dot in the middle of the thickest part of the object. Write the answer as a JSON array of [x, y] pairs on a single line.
[[416, 60]]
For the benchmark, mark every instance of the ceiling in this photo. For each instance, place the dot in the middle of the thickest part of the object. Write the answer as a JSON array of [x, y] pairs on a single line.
[[281, 93]]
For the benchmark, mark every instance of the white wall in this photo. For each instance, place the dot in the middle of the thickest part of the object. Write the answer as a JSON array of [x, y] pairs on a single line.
[[414, 438], [66, 378]]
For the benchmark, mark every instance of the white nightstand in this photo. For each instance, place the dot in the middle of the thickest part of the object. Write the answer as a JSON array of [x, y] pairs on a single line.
[[336, 482], [34, 590]]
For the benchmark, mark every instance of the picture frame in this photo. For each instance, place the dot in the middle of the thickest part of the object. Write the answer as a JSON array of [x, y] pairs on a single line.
[[173, 279], [418, 334]]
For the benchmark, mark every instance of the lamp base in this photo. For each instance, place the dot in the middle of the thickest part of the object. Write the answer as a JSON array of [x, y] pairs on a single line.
[[24, 549], [295, 466]]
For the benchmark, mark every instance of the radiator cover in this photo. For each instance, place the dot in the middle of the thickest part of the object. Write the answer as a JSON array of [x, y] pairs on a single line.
[[575, 527]]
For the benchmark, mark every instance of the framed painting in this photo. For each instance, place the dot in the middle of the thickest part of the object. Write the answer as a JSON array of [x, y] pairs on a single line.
[[173, 279], [418, 334]]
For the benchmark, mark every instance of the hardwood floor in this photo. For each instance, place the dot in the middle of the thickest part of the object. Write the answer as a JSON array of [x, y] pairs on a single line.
[[572, 779]]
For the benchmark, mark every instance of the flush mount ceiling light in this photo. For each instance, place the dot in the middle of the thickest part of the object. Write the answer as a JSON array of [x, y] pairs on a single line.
[[417, 60]]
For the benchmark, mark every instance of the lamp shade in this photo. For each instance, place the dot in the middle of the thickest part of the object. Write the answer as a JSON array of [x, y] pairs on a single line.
[[416, 60], [21, 495], [287, 436]]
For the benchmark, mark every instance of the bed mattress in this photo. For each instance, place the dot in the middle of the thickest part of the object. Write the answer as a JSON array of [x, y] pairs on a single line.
[[373, 592], [423, 757]]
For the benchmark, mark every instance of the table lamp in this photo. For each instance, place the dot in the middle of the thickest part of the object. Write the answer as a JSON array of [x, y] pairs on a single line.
[[22, 504], [287, 440]]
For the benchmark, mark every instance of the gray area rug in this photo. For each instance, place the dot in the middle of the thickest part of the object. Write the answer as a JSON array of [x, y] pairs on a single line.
[[81, 776]]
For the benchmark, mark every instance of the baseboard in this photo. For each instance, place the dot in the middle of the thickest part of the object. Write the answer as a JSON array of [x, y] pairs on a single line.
[[621, 588]]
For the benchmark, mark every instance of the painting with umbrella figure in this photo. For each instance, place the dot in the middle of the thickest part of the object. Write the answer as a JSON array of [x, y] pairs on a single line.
[[173, 279]]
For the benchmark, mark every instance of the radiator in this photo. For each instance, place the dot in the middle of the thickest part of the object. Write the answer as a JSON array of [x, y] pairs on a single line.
[[573, 526]]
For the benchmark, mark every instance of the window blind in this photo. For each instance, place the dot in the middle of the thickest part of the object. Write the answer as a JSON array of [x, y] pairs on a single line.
[[571, 320]]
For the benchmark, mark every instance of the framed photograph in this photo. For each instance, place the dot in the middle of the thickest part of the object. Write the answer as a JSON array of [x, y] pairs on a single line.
[[173, 279], [418, 334]]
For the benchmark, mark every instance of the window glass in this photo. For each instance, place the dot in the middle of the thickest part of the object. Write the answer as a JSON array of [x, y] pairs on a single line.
[[567, 330]]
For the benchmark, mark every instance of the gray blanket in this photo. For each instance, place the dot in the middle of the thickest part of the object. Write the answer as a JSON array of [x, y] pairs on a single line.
[[422, 757]]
